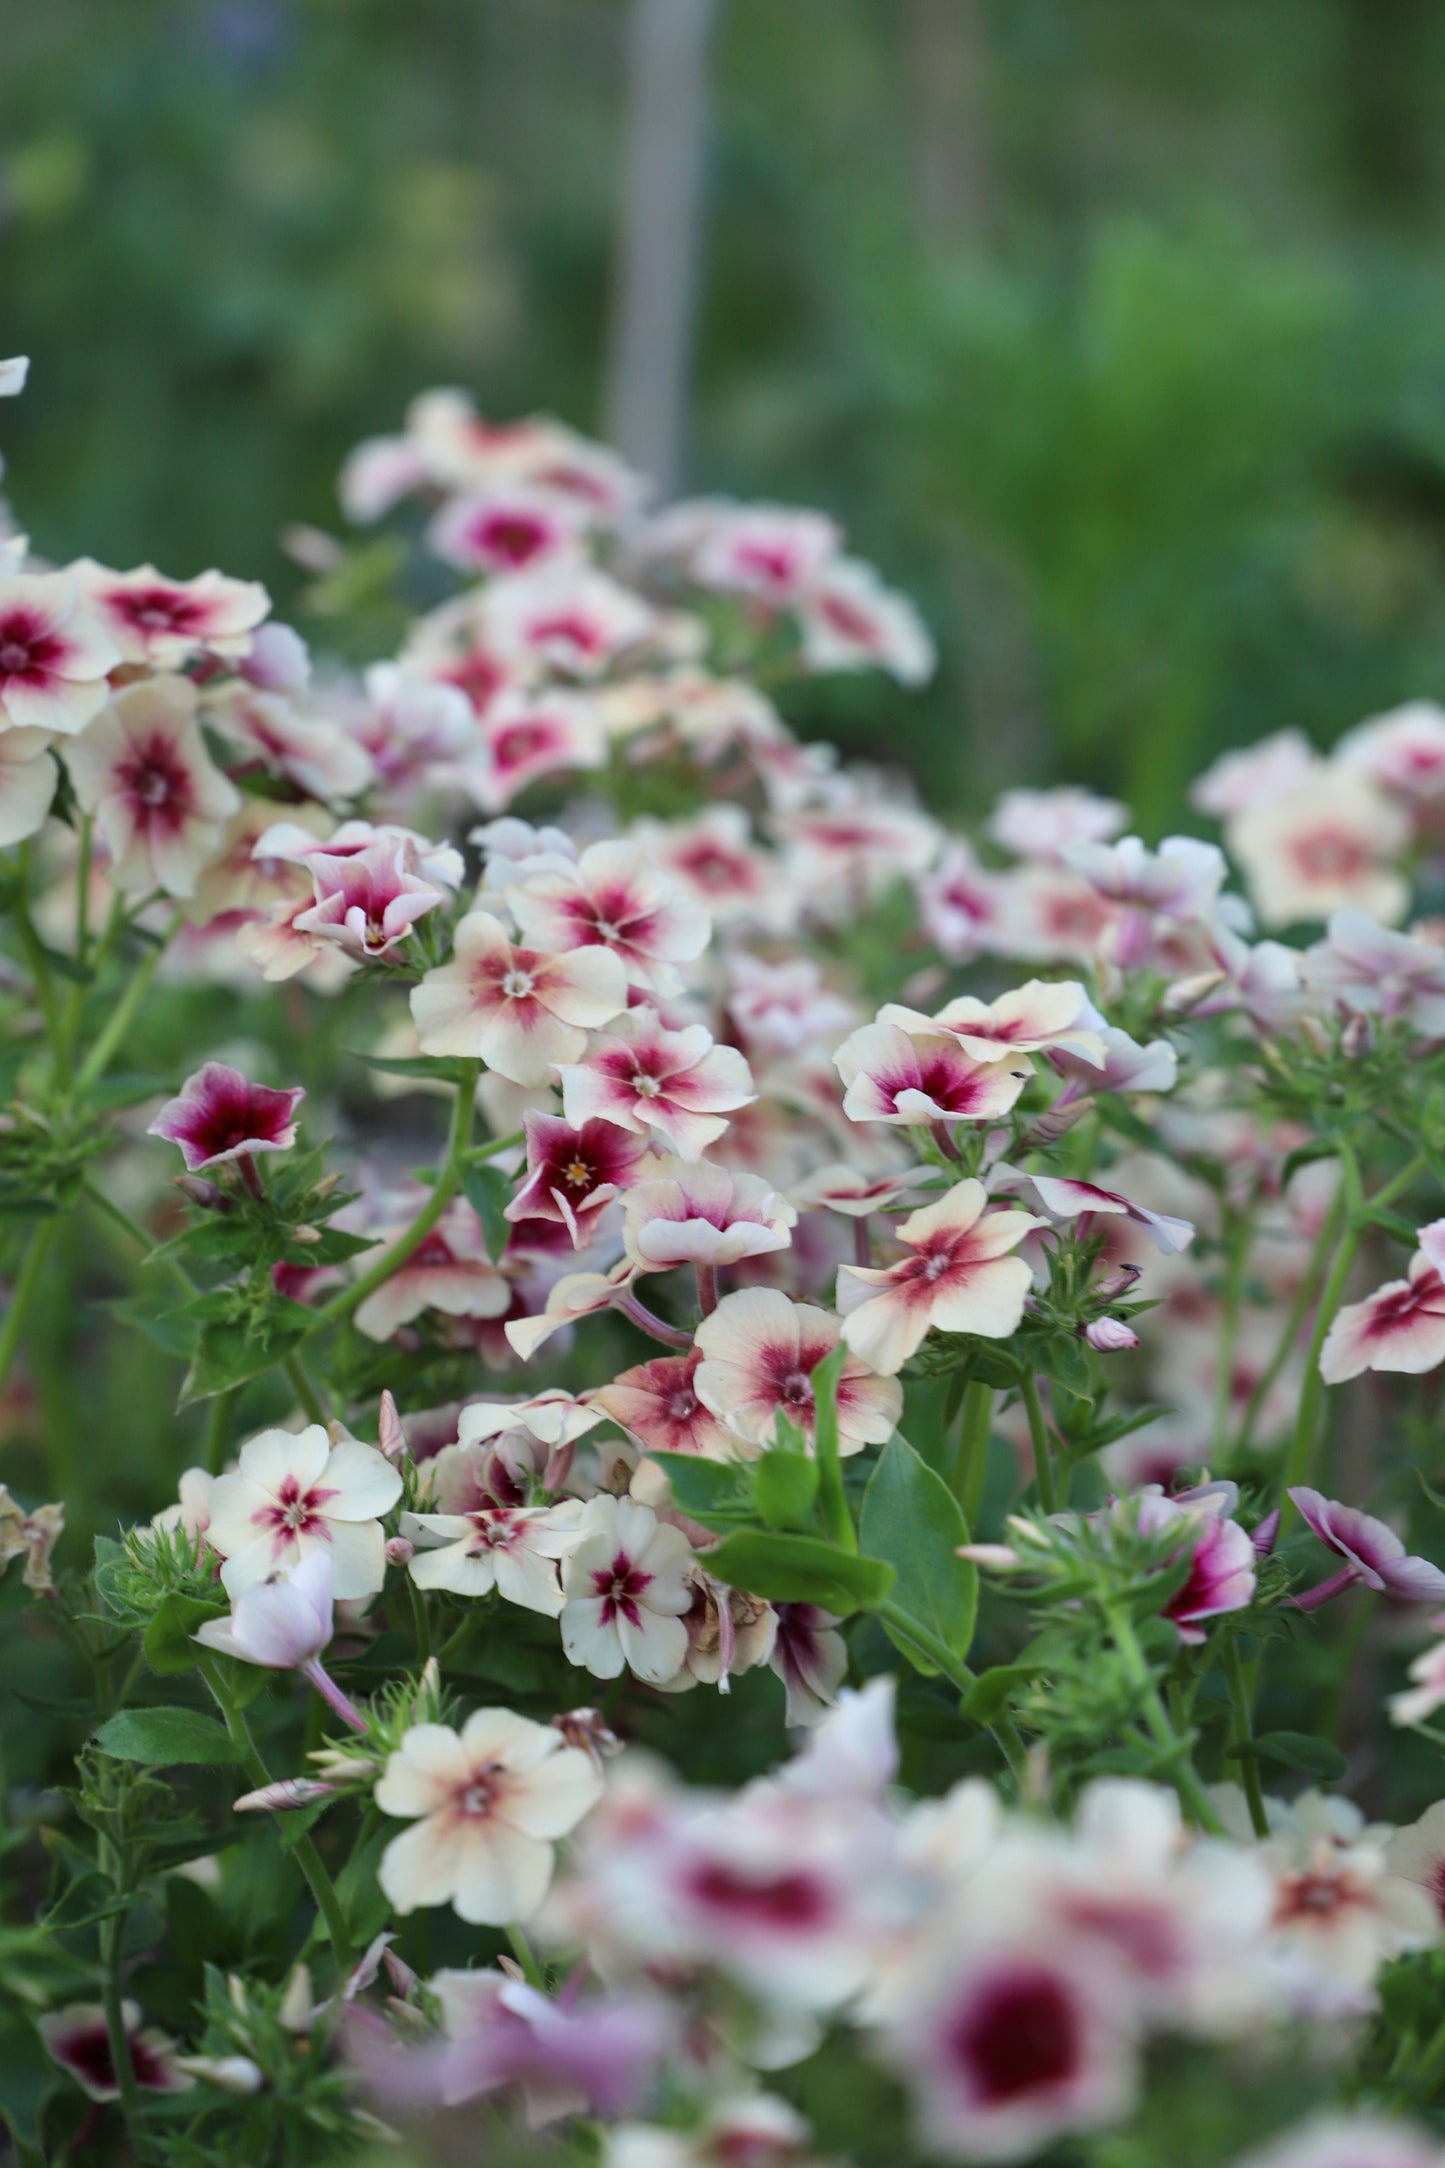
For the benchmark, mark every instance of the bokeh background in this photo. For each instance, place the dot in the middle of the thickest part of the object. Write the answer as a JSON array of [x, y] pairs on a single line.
[[1114, 329]]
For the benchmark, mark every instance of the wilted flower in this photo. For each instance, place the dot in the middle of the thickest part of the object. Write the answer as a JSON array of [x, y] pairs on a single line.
[[29, 1535]]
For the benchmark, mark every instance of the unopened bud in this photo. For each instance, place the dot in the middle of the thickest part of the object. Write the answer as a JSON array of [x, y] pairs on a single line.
[[1110, 1335], [1056, 1123], [398, 1550], [1314, 1033], [390, 1437], [404, 1981], [283, 1795], [993, 1557], [1358, 1038], [308, 1237], [297, 2007], [1186, 994], [203, 1193], [235, 2074], [1264, 1536]]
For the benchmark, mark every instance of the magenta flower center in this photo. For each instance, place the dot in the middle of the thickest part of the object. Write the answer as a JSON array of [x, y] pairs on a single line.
[[295, 1512], [619, 1586], [28, 648], [1021, 2037]]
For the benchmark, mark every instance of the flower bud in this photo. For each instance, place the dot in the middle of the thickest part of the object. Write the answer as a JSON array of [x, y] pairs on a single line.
[[1110, 1335], [1264, 1536], [284, 1794], [398, 1550], [1358, 1038], [305, 1235], [390, 1437], [235, 2074], [1056, 1123], [203, 1193]]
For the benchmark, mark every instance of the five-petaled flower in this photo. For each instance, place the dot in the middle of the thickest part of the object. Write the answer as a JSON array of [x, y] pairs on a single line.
[[574, 1174], [523, 1011], [959, 1278], [219, 1115], [165, 622], [759, 1352], [55, 655], [296, 1492], [513, 1549], [678, 1085], [158, 798], [627, 1586], [614, 897]]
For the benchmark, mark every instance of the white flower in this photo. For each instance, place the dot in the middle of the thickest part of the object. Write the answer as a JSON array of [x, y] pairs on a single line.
[[512, 1549], [297, 1492], [489, 1804], [627, 1587], [283, 1622]]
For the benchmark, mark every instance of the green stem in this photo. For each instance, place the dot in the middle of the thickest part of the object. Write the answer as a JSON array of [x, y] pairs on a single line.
[[522, 1951], [1236, 1240], [1285, 1346], [217, 1440], [1299, 1458], [27, 1287], [448, 1182], [1241, 1733], [941, 1656], [124, 1014], [970, 1467], [112, 2001], [832, 1497], [421, 1624], [1182, 1774], [1039, 1435], [304, 1851], [304, 1388]]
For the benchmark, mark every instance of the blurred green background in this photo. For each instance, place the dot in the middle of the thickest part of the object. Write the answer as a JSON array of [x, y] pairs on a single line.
[[1114, 329]]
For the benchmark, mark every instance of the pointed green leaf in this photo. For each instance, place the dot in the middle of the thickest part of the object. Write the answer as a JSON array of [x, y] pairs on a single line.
[[912, 1519]]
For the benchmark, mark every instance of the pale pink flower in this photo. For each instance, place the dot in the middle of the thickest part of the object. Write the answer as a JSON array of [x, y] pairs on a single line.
[[305, 748], [505, 528], [1043, 823], [451, 646], [289, 840], [1339, 1912], [449, 1271], [567, 617], [1063, 1198], [574, 1174], [294, 1493], [758, 2130], [677, 1086], [910, 1077], [701, 1214], [415, 732], [512, 1549], [1257, 775], [1181, 880], [488, 1803], [1427, 1694], [767, 551], [1037, 1018], [367, 901], [627, 1588], [1110, 1335], [958, 1278], [521, 1010], [1126, 1066], [1417, 1853], [1372, 1553], [843, 852], [1051, 914], [1008, 2044], [283, 1623], [810, 1656], [1222, 1561], [961, 903], [783, 1008], [78, 2038], [1374, 971], [849, 620], [55, 654], [1401, 1326], [220, 1115], [277, 661], [760, 1350], [525, 735], [575, 1296], [28, 776], [615, 897], [1352, 2140], [1402, 751], [657, 1403], [1326, 846], [159, 801], [840, 1188], [164, 622], [714, 859]]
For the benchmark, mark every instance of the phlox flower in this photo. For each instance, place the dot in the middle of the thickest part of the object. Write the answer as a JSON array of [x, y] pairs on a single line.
[[1400, 1327], [855, 1193], [526, 735], [29, 1535], [1417, 1853], [1339, 1913], [504, 528], [294, 1493], [1402, 751], [55, 654], [1043, 823], [283, 1623], [78, 2038], [574, 1174], [450, 1270], [959, 1277], [1373, 971], [552, 1417], [728, 1632], [164, 622], [521, 1010], [414, 731], [909, 1077], [848, 620], [159, 801], [305, 748], [676, 1086], [961, 904], [759, 1352], [810, 1656], [1326, 846], [1051, 914], [1181, 880], [565, 617], [1427, 1694], [28, 776], [758, 2129], [1357, 2140], [1222, 1562], [627, 1585], [657, 1403], [768, 551], [575, 1296], [614, 897], [512, 1549], [488, 1805], [1125, 1067], [367, 901], [713, 858], [1066, 1199], [1032, 1019], [1372, 1553], [783, 1008], [451, 647], [702, 1214], [842, 852], [220, 1115], [1259, 774], [289, 839]]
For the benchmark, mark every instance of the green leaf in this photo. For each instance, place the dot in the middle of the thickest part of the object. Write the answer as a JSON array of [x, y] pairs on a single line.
[[785, 1485], [90, 1897], [987, 1699], [800, 1569], [158, 1738], [445, 1068], [31, 2077], [912, 1519], [1295, 1750], [169, 1645], [157, 1319], [488, 1191], [716, 1492], [228, 1355]]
